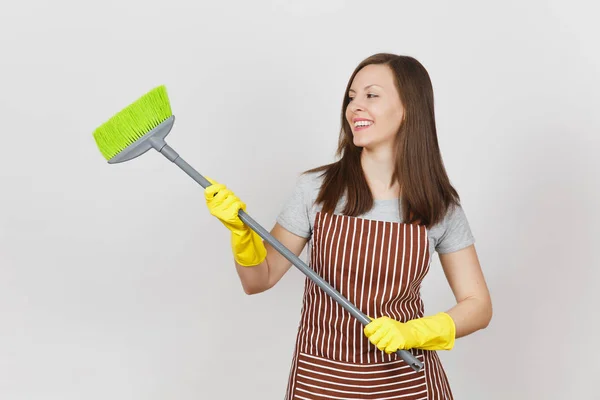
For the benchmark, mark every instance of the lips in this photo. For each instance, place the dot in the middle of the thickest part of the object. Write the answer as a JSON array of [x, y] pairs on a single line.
[[360, 124]]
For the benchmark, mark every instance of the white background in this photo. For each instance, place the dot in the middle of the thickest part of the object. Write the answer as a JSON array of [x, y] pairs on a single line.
[[116, 282]]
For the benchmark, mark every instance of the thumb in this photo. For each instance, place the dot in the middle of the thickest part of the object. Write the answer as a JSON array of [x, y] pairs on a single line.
[[372, 326]]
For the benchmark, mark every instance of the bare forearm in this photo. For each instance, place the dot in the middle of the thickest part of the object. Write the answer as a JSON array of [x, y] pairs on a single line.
[[471, 315], [264, 276], [254, 279]]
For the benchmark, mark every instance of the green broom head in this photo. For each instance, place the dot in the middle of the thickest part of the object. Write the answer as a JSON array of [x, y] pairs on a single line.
[[133, 122]]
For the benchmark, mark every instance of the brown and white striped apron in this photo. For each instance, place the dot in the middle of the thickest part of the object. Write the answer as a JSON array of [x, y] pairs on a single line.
[[378, 266]]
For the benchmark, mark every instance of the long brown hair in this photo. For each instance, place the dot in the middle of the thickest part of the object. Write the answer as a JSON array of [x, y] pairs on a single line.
[[426, 192]]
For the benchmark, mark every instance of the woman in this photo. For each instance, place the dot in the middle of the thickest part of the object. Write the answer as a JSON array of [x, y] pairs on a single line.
[[372, 221]]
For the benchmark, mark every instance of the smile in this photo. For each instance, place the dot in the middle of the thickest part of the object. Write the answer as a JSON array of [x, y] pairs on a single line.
[[362, 125]]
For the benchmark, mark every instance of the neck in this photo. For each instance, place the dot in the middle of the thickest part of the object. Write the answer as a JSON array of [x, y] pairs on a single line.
[[378, 166]]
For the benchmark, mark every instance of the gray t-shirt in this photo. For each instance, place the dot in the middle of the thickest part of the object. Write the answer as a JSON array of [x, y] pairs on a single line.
[[453, 233]]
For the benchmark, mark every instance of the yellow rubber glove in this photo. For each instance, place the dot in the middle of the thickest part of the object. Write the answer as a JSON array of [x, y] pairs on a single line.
[[436, 332], [247, 246]]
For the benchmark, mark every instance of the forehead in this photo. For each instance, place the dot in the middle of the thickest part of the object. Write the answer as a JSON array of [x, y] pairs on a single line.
[[374, 74]]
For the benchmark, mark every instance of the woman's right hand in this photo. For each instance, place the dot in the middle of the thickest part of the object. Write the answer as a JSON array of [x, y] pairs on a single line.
[[225, 205], [247, 246]]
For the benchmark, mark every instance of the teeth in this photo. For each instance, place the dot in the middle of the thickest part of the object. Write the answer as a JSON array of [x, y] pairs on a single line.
[[363, 123]]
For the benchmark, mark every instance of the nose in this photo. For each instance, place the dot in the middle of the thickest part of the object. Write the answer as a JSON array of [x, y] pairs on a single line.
[[355, 106]]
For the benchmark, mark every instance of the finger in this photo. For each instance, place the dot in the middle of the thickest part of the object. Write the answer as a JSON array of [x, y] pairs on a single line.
[[376, 337], [385, 341], [239, 205], [210, 191], [372, 326], [231, 206], [226, 199], [221, 195], [396, 344], [392, 346]]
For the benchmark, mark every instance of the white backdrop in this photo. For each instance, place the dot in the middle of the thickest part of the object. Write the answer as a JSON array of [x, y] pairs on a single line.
[[115, 281]]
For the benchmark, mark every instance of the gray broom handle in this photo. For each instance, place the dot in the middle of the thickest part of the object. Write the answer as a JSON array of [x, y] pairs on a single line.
[[168, 152]]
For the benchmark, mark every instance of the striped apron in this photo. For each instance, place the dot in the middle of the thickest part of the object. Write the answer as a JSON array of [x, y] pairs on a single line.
[[378, 266]]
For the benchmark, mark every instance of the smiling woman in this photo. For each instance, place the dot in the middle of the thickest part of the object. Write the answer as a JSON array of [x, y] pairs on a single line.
[[375, 103], [372, 221]]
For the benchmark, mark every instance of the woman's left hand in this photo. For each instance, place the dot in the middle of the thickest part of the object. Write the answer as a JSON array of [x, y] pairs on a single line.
[[436, 332]]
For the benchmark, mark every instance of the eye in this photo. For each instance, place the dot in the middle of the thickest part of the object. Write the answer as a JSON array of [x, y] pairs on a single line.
[[369, 96]]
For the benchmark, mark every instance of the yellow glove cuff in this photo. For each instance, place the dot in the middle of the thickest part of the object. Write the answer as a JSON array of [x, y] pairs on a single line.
[[248, 248], [436, 332]]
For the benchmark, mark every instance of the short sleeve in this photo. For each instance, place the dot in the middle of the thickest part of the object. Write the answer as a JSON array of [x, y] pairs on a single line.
[[456, 232], [294, 215]]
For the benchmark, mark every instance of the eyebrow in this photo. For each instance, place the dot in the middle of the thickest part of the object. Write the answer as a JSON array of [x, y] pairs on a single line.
[[366, 87]]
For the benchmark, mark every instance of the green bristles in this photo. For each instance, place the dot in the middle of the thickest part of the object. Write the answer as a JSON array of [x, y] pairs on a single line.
[[133, 122]]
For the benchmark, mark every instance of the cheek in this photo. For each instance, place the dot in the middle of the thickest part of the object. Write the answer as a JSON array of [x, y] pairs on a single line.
[[394, 118]]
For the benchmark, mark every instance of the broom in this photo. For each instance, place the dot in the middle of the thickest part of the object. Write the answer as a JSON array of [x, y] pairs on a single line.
[[143, 125]]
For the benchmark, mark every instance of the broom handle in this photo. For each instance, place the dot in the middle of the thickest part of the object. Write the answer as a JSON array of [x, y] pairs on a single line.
[[168, 152]]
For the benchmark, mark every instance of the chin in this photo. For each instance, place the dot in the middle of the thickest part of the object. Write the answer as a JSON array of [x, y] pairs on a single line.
[[359, 143], [371, 144], [362, 143]]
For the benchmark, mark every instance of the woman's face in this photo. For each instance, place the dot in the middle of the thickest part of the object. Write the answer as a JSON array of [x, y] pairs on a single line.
[[375, 111]]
